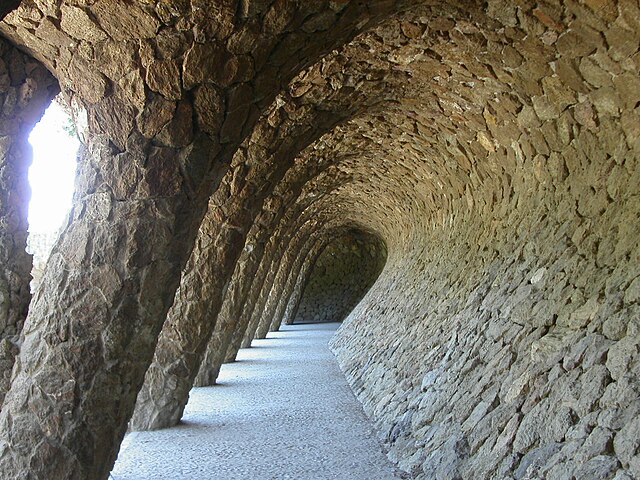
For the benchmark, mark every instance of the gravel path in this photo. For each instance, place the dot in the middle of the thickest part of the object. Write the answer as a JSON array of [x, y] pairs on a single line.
[[283, 411]]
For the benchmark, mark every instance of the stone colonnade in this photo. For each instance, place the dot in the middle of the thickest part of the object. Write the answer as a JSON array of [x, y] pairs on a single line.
[[491, 147]]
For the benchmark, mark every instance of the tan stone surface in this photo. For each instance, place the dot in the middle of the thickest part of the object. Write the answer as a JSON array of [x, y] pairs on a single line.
[[492, 146], [26, 89], [141, 194]]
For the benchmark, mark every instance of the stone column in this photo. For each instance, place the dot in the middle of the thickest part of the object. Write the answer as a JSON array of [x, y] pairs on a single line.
[[294, 301], [233, 333], [286, 129], [264, 279], [263, 287], [250, 272], [230, 318], [302, 278], [335, 280], [162, 399], [26, 90], [297, 280], [267, 233], [301, 221], [235, 341], [110, 280], [144, 177], [293, 251], [291, 238], [222, 236]]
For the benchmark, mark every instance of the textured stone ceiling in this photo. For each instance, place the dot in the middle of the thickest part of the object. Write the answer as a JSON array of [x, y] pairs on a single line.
[[454, 96], [492, 146]]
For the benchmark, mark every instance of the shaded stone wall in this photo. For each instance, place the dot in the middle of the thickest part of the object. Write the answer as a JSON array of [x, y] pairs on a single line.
[[493, 146], [342, 274], [167, 94], [504, 342], [26, 89]]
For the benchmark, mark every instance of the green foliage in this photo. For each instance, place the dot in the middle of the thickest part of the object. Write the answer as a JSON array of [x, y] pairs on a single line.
[[70, 128]]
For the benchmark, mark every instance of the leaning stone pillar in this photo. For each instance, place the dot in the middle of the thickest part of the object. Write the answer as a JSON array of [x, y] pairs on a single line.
[[264, 286], [196, 322], [291, 240], [301, 280], [296, 295], [366, 265], [109, 282], [144, 175], [234, 317], [243, 309], [297, 278], [238, 303], [237, 341], [298, 218], [291, 256], [206, 278], [229, 318], [165, 392], [26, 90], [294, 237]]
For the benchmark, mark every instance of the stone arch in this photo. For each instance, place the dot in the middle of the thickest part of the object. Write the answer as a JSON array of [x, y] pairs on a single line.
[[339, 277], [291, 124], [520, 173], [288, 127], [501, 171]]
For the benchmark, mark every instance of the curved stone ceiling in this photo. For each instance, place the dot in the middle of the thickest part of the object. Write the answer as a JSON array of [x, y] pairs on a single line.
[[492, 146]]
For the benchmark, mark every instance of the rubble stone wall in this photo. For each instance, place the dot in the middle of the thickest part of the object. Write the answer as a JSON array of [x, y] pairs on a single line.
[[342, 274], [166, 93], [506, 342]]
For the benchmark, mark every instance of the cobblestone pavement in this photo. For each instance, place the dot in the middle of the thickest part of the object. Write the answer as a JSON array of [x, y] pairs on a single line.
[[283, 411]]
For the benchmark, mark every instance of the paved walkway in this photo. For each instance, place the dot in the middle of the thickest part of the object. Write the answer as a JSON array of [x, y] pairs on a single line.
[[283, 411]]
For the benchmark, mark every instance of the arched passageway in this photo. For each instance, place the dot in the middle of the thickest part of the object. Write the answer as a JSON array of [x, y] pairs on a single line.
[[338, 279], [492, 146], [284, 410]]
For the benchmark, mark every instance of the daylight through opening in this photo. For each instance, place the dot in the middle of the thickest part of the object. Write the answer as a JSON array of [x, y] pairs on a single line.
[[51, 177]]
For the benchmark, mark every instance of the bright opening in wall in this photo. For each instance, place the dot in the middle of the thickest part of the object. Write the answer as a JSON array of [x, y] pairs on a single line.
[[51, 176]]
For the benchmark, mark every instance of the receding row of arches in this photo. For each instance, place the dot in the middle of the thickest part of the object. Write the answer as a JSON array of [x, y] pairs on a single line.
[[480, 160]]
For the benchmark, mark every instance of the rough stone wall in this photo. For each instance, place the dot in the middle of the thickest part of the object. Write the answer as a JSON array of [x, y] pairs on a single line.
[[503, 341], [342, 274], [26, 89], [163, 121]]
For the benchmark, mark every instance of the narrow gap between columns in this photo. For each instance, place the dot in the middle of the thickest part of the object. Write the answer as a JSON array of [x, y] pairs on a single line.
[[52, 177]]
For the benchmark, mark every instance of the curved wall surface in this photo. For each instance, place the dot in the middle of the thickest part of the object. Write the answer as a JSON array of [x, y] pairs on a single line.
[[342, 274]]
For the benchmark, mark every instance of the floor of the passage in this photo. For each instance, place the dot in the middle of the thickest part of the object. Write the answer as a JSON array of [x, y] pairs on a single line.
[[282, 411]]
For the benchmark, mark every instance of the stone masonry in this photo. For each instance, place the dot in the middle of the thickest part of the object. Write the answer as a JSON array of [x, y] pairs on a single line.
[[491, 147], [339, 278]]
